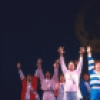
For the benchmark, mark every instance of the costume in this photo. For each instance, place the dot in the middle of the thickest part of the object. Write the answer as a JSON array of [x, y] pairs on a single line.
[[72, 80], [48, 85], [29, 88], [59, 92], [94, 79], [85, 89]]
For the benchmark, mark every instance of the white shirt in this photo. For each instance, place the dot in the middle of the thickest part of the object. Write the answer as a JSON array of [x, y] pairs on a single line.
[[27, 96], [71, 81], [87, 85], [48, 82], [71, 77]]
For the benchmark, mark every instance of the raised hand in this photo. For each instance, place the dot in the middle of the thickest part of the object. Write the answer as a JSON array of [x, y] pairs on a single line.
[[82, 50], [61, 50], [54, 65], [39, 62], [57, 61], [18, 65], [76, 62], [88, 49]]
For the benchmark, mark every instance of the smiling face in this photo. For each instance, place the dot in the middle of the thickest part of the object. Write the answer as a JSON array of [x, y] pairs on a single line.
[[62, 79], [71, 66], [86, 77], [97, 66], [29, 78], [47, 75]]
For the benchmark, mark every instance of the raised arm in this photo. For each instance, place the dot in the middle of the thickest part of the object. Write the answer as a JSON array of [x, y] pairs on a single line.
[[90, 60], [62, 64], [39, 70], [80, 62], [55, 76], [22, 77]]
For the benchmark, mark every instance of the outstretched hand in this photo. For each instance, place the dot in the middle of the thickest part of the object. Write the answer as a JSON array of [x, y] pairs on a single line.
[[56, 64], [18, 65], [39, 62], [88, 49], [57, 61], [82, 50], [61, 50]]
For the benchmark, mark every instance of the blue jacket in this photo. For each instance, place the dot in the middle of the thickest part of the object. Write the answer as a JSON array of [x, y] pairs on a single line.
[[83, 89]]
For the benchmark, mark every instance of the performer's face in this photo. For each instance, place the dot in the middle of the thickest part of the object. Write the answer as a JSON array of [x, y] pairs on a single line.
[[47, 74], [62, 79], [71, 66], [97, 67], [29, 78], [86, 77]]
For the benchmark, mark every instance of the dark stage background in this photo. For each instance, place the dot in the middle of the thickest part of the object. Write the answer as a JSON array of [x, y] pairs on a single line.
[[36, 29]]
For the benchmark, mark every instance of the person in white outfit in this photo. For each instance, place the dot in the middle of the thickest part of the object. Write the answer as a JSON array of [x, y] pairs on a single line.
[[72, 75]]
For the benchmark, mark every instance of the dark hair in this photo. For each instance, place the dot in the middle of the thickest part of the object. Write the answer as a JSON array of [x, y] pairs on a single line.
[[49, 73], [61, 74], [29, 75], [85, 74]]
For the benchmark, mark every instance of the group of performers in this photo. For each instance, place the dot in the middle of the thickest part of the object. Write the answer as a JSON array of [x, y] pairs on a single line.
[[68, 85]]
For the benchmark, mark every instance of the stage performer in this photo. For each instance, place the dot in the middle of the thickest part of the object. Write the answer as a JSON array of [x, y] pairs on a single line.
[[85, 87], [29, 85], [94, 71], [59, 89], [48, 83], [72, 75]]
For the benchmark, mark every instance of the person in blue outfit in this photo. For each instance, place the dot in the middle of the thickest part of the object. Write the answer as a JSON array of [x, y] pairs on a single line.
[[94, 72], [85, 87]]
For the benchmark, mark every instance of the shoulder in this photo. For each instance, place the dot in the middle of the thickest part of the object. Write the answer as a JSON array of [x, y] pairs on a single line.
[[24, 81], [81, 81]]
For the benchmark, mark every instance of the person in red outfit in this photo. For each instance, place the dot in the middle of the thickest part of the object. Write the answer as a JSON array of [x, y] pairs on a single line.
[[29, 85]]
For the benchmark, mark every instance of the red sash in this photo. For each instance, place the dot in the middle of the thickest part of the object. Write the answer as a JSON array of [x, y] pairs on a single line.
[[24, 86]]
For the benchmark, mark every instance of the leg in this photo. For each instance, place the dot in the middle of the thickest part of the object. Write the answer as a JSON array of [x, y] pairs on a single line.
[[74, 96], [51, 96], [68, 96], [44, 96], [55, 98], [60, 97], [93, 95], [98, 94]]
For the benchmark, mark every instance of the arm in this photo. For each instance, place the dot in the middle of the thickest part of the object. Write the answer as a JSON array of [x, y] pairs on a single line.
[[22, 77], [41, 75], [55, 76], [80, 64], [39, 71], [90, 60], [63, 66]]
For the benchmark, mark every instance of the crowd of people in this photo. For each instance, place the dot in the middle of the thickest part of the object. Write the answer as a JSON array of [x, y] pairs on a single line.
[[68, 85]]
